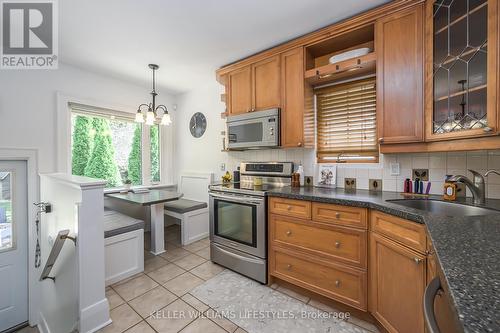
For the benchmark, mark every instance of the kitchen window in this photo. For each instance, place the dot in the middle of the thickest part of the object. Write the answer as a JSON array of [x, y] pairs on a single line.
[[110, 145], [346, 122]]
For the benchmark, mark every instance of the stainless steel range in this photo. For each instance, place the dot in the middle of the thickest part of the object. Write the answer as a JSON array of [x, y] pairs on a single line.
[[238, 217]]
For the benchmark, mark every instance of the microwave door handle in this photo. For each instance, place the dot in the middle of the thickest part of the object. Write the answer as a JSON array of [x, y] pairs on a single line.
[[237, 199]]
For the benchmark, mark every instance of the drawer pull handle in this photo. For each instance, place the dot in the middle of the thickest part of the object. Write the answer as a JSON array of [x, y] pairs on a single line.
[[417, 260], [337, 283], [289, 208], [337, 215], [288, 232], [337, 244], [288, 267]]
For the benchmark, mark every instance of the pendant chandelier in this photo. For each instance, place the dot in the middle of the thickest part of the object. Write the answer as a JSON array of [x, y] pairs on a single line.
[[153, 111]]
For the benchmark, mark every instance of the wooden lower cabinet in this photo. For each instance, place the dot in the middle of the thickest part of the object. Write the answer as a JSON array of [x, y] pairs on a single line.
[[443, 312], [327, 249], [397, 283], [339, 282]]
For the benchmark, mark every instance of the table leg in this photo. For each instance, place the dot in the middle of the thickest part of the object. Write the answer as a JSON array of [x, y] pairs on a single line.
[[157, 231]]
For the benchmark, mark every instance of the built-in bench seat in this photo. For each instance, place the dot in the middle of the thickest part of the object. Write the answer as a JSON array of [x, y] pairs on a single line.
[[124, 246], [191, 211], [183, 206]]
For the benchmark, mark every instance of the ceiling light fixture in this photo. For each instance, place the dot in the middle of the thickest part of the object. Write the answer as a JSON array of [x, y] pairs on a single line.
[[153, 111]]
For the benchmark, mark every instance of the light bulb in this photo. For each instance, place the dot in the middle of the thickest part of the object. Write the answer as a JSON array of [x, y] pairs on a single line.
[[165, 119], [150, 118], [139, 117]]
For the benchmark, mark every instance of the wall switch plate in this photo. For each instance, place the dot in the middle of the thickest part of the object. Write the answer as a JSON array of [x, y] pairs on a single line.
[[350, 183], [394, 169], [308, 181], [223, 167], [375, 184], [422, 174]]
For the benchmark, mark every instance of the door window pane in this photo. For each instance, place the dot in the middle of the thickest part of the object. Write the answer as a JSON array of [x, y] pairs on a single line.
[[236, 222], [6, 233]]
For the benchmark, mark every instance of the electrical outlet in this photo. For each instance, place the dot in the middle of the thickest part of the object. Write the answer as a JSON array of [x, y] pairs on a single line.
[[422, 174], [394, 169], [308, 181], [350, 183], [375, 184], [223, 167]]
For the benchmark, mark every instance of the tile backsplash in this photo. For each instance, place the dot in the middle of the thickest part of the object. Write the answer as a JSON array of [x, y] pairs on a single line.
[[438, 164]]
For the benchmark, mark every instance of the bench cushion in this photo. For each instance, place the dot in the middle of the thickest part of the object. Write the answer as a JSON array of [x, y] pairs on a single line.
[[182, 206], [116, 223]]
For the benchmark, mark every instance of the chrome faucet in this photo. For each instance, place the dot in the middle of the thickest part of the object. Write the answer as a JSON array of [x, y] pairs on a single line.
[[476, 186]]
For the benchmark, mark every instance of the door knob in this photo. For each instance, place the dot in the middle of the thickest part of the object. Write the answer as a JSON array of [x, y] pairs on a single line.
[[337, 215], [417, 260], [288, 233], [288, 267], [289, 208], [381, 140], [337, 244], [337, 283]]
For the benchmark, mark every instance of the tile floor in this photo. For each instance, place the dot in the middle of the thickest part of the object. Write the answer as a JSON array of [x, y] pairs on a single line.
[[164, 288], [140, 303]]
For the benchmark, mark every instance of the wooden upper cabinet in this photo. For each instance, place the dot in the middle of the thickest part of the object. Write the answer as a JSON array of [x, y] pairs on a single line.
[[266, 84], [292, 97], [461, 68], [397, 283], [239, 91], [399, 40]]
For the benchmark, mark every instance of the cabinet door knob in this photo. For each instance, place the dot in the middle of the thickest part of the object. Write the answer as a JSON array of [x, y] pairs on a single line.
[[337, 283], [337, 215], [381, 140], [288, 232], [417, 260], [289, 208], [299, 144], [337, 244], [288, 267]]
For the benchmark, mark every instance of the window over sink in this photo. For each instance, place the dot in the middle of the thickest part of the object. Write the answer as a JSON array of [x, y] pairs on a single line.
[[346, 122]]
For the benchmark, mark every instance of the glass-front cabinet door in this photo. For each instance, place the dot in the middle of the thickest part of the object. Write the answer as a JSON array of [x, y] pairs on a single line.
[[462, 69]]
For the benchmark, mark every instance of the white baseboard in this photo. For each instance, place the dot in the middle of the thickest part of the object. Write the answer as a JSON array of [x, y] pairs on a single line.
[[43, 327], [94, 317]]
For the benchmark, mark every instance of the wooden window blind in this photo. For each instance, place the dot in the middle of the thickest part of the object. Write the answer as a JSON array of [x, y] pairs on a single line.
[[346, 122]]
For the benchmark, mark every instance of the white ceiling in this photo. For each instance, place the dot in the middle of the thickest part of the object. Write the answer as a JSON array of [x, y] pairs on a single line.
[[189, 39]]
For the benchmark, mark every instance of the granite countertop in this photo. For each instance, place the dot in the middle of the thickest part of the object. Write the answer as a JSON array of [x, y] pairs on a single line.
[[467, 248]]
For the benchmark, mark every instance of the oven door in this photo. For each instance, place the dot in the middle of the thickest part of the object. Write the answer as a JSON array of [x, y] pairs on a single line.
[[239, 222]]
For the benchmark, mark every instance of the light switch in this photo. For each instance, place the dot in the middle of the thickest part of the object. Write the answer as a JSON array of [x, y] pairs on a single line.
[[223, 167]]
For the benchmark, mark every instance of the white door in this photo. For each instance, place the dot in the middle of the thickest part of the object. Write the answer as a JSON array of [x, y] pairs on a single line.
[[13, 244]]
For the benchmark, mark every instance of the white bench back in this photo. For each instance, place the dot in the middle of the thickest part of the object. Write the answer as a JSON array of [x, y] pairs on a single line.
[[194, 186]]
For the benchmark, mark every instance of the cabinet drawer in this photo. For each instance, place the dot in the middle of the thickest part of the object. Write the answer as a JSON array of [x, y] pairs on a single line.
[[290, 207], [403, 231], [338, 282], [341, 215], [345, 245]]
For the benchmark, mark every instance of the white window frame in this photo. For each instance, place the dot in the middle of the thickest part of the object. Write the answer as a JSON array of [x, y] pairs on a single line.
[[63, 137]]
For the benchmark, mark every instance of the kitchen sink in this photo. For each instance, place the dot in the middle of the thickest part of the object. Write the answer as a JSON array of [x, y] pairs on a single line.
[[443, 207]]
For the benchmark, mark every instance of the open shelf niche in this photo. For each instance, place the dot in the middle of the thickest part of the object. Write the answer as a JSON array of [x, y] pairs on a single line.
[[319, 71]]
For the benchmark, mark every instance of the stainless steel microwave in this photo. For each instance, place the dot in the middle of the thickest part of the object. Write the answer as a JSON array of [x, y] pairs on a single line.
[[253, 130]]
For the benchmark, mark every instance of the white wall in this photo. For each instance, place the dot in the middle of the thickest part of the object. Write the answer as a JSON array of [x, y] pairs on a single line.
[[28, 104], [204, 154]]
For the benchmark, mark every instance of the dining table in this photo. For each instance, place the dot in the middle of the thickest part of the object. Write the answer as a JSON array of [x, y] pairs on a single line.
[[155, 199]]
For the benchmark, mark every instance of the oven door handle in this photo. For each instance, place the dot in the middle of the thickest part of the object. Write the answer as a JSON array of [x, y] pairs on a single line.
[[255, 201], [238, 256]]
